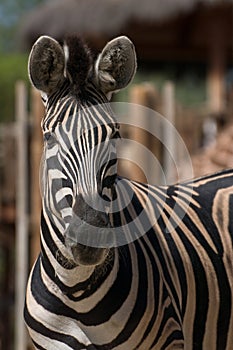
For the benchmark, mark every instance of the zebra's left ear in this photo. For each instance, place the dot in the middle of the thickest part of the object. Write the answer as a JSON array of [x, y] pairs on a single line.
[[116, 65], [46, 65]]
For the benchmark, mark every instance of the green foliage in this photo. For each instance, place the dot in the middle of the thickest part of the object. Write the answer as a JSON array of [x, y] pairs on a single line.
[[189, 80], [12, 12], [12, 68]]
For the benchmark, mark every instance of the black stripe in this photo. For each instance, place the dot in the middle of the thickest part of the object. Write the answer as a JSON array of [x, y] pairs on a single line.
[[98, 315], [157, 281], [201, 289], [38, 346], [161, 251], [225, 308], [98, 276], [230, 215], [63, 261], [141, 300], [61, 337], [173, 338], [212, 177], [118, 293], [169, 315]]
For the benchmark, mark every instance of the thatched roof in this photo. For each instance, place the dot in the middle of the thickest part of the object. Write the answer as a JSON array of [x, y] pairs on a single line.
[[106, 17]]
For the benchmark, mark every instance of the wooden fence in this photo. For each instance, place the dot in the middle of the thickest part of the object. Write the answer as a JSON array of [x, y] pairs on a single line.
[[164, 134], [20, 152], [20, 203]]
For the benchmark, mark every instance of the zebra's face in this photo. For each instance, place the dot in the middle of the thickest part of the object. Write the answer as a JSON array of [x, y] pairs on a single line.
[[79, 163]]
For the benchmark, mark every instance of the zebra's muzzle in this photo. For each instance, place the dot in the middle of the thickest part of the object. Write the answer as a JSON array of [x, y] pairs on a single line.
[[89, 234], [87, 243]]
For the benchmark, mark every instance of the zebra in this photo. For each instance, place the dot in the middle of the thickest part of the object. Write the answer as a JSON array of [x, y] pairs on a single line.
[[169, 283]]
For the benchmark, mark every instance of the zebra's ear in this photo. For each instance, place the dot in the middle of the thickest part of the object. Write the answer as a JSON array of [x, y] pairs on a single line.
[[46, 64], [116, 65]]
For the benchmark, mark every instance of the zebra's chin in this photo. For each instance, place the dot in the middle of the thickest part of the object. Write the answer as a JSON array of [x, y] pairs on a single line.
[[88, 256]]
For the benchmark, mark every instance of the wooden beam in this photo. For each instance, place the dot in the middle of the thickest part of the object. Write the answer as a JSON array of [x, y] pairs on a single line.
[[169, 137], [217, 67], [37, 111], [21, 272], [142, 153]]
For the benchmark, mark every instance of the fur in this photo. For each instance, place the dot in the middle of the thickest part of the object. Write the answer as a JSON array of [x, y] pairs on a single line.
[[79, 61]]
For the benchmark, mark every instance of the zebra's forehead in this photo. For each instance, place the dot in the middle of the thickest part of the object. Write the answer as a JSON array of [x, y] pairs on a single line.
[[71, 112]]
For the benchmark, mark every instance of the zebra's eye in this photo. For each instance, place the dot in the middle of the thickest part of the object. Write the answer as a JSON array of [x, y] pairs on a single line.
[[49, 138], [115, 134]]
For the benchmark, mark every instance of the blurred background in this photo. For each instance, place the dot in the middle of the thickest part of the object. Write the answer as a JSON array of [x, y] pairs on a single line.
[[185, 72]]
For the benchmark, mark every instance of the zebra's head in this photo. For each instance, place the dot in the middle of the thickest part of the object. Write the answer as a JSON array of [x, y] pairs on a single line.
[[79, 129]]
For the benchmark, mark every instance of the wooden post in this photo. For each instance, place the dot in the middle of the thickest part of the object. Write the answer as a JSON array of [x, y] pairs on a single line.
[[141, 95], [217, 65], [138, 97], [153, 142], [37, 111], [169, 140], [8, 188], [21, 215]]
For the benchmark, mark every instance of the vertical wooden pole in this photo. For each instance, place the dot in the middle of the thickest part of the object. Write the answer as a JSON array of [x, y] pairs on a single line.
[[138, 97], [216, 86], [169, 141], [37, 110], [21, 215], [217, 65], [140, 121], [153, 142]]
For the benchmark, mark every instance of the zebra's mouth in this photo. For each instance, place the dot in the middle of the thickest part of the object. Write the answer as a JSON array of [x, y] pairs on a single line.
[[88, 256], [86, 243]]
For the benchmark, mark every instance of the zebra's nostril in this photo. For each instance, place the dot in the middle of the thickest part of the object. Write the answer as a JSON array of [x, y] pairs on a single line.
[[89, 235], [91, 211], [104, 220]]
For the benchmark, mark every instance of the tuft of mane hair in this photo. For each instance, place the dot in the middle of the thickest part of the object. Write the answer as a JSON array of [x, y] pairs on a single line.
[[79, 60]]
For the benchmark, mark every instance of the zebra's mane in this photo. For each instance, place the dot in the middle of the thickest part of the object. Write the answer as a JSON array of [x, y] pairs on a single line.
[[78, 60]]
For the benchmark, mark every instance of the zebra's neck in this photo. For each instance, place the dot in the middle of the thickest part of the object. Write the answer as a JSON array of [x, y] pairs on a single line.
[[63, 91]]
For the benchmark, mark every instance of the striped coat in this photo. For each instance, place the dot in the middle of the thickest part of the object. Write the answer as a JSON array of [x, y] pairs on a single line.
[[172, 288], [123, 265]]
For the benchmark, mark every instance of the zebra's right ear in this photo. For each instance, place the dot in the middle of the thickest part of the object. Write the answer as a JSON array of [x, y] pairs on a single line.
[[116, 65], [46, 65]]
